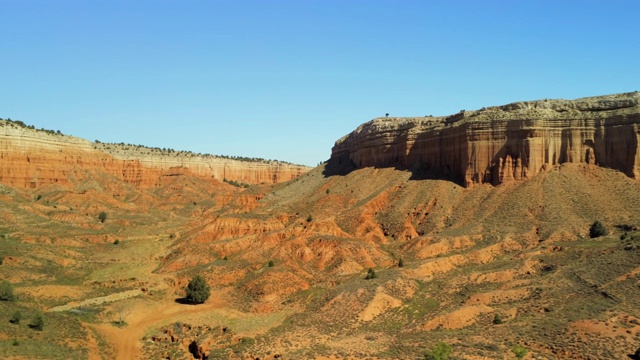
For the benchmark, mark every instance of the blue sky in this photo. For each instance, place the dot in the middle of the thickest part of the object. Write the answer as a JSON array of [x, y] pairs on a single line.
[[285, 79]]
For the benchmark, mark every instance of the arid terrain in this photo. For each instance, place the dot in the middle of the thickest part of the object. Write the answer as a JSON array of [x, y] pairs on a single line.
[[476, 226]]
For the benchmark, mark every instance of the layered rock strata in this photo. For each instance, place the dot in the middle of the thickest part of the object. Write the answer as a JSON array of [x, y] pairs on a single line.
[[502, 143], [31, 158]]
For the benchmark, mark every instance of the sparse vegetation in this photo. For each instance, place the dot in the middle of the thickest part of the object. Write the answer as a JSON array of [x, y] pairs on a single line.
[[519, 351], [102, 216], [271, 263], [440, 351], [6, 291], [400, 263], [116, 242], [597, 229], [309, 218], [236, 183], [497, 319], [197, 290]]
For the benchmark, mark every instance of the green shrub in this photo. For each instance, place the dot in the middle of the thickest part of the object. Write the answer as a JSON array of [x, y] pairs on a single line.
[[102, 216], [440, 351], [519, 351], [15, 342], [16, 317], [371, 274], [309, 218], [37, 323], [597, 229], [197, 290], [400, 263], [271, 263], [6, 291], [497, 319]]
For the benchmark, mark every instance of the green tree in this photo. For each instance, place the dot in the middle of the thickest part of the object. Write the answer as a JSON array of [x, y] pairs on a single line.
[[271, 263], [597, 229], [441, 351], [400, 263], [37, 322], [371, 274], [6, 291], [102, 216], [197, 290], [519, 351], [309, 218]]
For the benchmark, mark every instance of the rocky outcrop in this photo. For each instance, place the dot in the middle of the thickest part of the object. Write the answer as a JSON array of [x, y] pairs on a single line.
[[32, 158], [502, 143]]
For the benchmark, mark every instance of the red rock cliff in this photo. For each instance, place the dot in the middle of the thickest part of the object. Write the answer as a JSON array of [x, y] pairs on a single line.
[[31, 159], [503, 143]]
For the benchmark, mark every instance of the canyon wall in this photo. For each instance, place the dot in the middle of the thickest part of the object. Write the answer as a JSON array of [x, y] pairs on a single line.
[[502, 143], [32, 158]]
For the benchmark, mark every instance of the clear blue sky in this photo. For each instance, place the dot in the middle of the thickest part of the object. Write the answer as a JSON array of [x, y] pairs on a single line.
[[285, 79]]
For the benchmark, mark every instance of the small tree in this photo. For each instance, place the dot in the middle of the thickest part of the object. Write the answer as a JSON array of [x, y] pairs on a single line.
[[37, 323], [371, 274], [16, 317], [497, 319], [198, 290], [597, 229], [309, 218], [102, 216], [519, 351], [271, 263], [440, 351], [400, 263], [6, 291]]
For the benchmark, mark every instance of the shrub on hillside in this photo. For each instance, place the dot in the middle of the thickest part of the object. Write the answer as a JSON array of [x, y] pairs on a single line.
[[441, 351], [37, 323], [371, 274], [597, 229], [6, 291], [102, 217], [519, 351], [16, 317], [197, 290]]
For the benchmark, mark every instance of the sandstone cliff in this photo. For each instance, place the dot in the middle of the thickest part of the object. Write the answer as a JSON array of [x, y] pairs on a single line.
[[502, 143], [32, 158]]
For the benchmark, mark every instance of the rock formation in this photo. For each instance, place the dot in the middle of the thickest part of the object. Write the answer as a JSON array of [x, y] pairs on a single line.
[[32, 158], [503, 143]]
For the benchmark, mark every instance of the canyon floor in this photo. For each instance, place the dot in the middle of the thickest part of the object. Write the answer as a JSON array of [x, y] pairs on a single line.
[[484, 268]]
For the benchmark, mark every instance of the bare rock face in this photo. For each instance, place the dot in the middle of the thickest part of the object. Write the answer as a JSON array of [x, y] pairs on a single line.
[[31, 158], [503, 143]]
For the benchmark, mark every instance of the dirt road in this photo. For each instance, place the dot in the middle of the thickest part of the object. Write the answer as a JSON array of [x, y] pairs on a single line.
[[128, 340]]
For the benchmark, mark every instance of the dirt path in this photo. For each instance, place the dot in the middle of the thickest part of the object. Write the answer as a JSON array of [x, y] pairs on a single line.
[[99, 300], [127, 341]]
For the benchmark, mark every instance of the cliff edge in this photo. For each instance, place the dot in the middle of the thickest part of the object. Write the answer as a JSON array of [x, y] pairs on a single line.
[[502, 143], [31, 158]]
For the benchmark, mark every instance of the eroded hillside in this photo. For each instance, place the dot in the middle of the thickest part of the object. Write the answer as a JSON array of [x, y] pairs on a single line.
[[343, 262], [31, 158]]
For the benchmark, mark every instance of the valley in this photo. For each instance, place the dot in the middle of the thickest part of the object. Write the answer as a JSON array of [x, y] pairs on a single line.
[[482, 244]]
